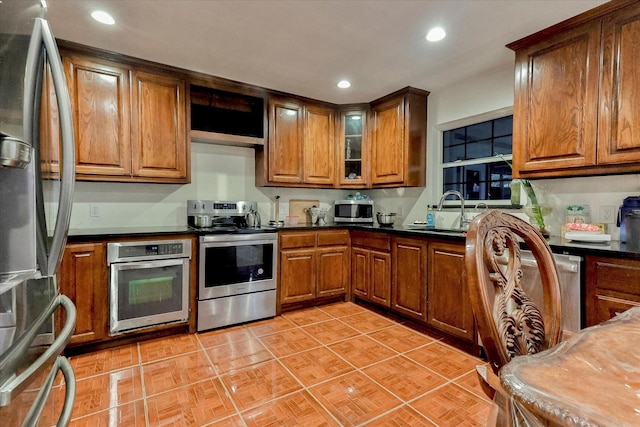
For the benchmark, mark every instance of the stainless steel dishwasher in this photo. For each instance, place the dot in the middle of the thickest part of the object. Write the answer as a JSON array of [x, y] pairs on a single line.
[[570, 287]]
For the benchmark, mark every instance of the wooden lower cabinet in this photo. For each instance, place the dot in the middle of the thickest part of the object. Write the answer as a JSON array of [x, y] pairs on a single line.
[[297, 275], [84, 279], [611, 287], [409, 278], [371, 267], [313, 264], [448, 303]]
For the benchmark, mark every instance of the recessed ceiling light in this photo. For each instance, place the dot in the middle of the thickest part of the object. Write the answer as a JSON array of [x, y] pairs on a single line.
[[103, 17], [436, 34], [343, 84]]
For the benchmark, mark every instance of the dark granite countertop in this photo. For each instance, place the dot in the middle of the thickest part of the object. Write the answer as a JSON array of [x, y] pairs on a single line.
[[557, 244]]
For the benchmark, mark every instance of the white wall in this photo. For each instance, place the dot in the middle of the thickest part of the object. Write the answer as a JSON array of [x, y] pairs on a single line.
[[217, 173]]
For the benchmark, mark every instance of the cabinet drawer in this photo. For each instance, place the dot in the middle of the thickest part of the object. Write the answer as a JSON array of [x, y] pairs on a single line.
[[297, 240], [333, 238], [379, 241], [609, 307], [618, 275]]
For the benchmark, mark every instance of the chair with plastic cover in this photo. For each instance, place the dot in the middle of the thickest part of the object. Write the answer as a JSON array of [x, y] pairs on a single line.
[[508, 321]]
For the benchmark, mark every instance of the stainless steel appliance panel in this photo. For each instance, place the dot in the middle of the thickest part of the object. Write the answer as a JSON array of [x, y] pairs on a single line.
[[219, 312], [35, 207], [237, 279], [149, 284], [165, 297]]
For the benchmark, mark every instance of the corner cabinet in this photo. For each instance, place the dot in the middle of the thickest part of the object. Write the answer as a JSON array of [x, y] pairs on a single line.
[[449, 304], [300, 151], [371, 267], [84, 279], [575, 96], [399, 139], [353, 148], [129, 121]]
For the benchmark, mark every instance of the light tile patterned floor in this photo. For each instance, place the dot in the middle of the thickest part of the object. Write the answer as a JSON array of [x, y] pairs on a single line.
[[335, 365]]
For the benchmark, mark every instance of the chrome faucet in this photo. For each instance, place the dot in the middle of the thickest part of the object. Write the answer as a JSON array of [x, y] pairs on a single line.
[[464, 223]]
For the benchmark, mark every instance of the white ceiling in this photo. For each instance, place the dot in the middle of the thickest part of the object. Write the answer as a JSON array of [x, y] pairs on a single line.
[[305, 47]]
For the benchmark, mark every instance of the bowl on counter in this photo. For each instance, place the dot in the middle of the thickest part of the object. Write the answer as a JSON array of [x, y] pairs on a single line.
[[385, 219]]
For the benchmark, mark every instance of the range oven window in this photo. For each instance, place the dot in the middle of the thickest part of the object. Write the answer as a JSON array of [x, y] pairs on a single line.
[[226, 265]]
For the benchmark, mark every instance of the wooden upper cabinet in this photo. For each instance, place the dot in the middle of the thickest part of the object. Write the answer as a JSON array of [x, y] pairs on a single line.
[[399, 139], [129, 122], [319, 145], [388, 143], [353, 148], [575, 96], [285, 142], [99, 92], [159, 145], [301, 150], [556, 98], [619, 119]]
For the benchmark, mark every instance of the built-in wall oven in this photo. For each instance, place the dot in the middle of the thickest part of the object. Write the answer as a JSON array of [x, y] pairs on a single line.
[[148, 283], [237, 278]]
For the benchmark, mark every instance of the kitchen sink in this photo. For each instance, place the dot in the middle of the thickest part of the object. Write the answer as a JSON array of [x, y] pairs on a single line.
[[453, 231]]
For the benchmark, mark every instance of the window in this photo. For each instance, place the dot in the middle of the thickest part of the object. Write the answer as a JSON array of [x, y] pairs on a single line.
[[469, 161]]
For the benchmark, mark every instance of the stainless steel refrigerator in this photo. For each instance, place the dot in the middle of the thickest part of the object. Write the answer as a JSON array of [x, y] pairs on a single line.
[[36, 190]]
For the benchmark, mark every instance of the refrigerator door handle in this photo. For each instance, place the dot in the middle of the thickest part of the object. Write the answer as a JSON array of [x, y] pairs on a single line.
[[16, 385], [61, 364], [43, 36]]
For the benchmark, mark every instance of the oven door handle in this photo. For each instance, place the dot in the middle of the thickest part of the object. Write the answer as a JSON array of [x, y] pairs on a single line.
[[137, 265], [228, 244]]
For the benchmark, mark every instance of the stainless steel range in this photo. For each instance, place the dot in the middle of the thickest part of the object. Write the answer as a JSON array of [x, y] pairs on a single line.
[[237, 264]]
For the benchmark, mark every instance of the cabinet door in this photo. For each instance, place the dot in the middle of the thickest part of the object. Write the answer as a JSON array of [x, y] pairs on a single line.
[[555, 106], [409, 278], [160, 146], [380, 288], [99, 93], [285, 142], [611, 287], [318, 149], [333, 271], [360, 275], [297, 276], [84, 279], [353, 153], [387, 143], [448, 303], [619, 118]]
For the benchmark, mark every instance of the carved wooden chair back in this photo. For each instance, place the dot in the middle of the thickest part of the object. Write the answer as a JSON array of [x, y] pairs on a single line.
[[508, 321]]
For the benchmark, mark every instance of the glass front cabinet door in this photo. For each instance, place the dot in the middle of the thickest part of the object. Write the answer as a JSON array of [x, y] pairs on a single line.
[[353, 153]]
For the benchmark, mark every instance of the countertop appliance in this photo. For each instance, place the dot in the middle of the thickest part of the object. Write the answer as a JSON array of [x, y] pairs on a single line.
[[237, 265], [148, 283], [35, 209], [353, 211]]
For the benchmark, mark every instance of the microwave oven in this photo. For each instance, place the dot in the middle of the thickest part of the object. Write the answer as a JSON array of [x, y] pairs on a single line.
[[355, 211]]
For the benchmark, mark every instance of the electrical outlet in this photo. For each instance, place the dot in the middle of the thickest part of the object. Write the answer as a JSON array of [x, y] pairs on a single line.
[[94, 211], [400, 211], [607, 214]]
